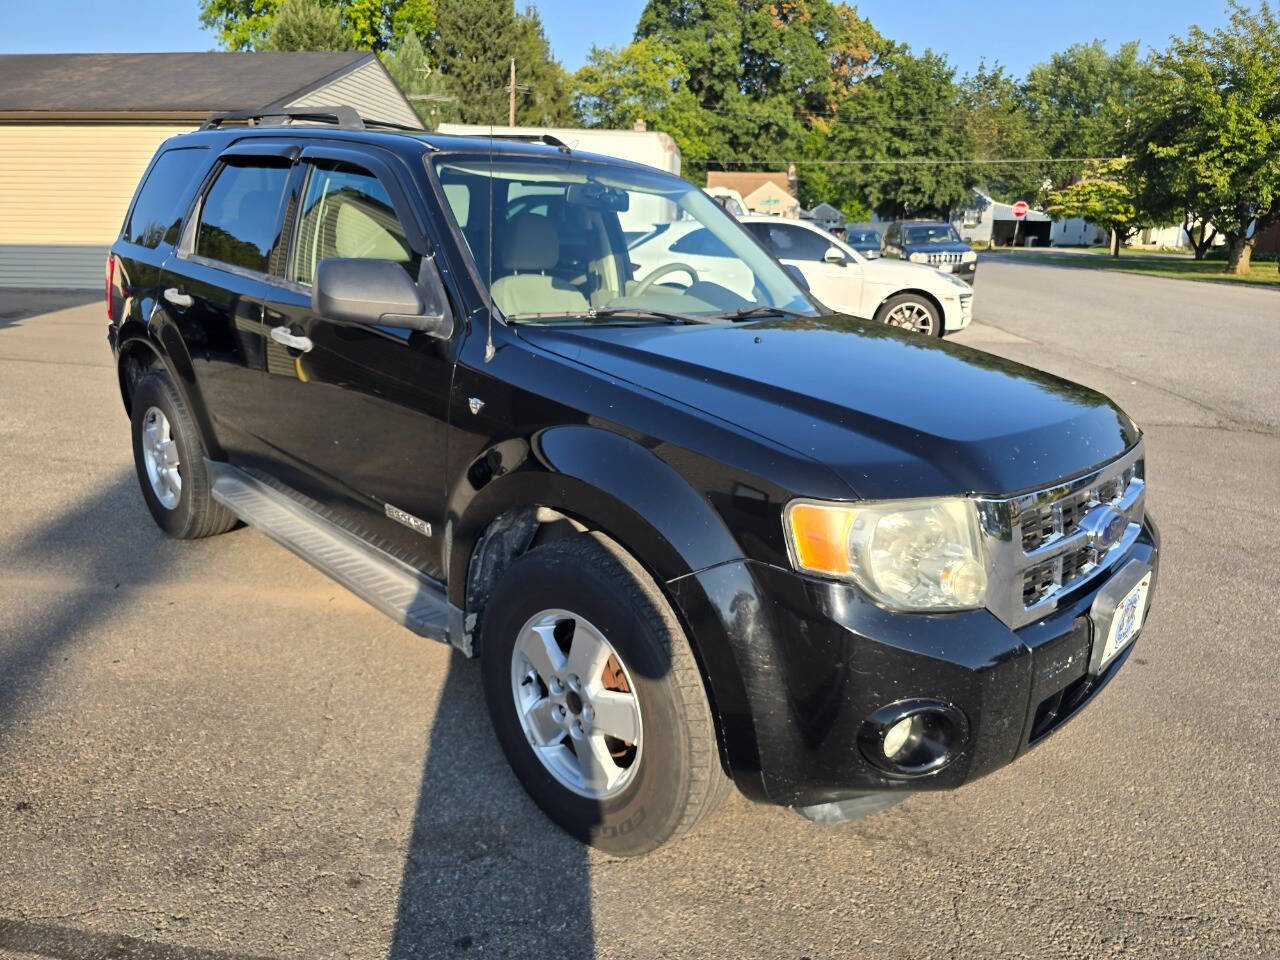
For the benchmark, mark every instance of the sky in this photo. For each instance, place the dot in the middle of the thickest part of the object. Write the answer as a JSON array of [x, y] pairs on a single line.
[[1017, 35]]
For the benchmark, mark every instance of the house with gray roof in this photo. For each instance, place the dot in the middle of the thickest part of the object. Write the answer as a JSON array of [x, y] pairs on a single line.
[[77, 132]]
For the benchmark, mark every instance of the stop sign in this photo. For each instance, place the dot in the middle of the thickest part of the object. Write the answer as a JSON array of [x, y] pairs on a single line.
[[1020, 209]]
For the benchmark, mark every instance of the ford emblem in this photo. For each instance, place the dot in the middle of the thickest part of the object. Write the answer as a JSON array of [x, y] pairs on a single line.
[[1104, 526]]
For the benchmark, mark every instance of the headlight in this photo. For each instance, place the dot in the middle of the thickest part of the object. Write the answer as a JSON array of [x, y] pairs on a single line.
[[968, 256], [956, 281], [914, 555], [919, 258]]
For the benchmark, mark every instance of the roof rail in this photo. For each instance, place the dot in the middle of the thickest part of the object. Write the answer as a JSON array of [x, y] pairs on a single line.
[[546, 138], [345, 117]]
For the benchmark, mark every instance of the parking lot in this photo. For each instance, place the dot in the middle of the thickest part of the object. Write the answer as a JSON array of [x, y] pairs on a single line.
[[209, 750]]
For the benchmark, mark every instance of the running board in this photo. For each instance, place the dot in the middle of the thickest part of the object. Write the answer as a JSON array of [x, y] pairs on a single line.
[[394, 587]]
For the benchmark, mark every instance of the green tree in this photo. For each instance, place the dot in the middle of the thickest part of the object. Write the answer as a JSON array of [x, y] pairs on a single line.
[[308, 25], [542, 86], [1001, 128], [239, 24], [1080, 102], [1210, 128], [1105, 195], [766, 73], [373, 24], [644, 81], [903, 140], [411, 69]]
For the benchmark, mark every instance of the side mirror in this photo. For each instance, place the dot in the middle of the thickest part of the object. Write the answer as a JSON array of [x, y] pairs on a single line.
[[797, 275], [380, 291], [834, 255]]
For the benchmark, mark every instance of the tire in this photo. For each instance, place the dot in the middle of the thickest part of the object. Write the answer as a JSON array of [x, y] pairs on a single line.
[[911, 311], [669, 778], [185, 508]]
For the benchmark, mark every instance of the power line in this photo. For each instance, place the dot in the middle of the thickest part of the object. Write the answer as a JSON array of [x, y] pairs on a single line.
[[905, 160]]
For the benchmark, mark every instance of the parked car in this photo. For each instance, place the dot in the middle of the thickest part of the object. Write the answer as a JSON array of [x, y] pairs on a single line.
[[935, 243], [865, 240], [690, 534], [906, 295]]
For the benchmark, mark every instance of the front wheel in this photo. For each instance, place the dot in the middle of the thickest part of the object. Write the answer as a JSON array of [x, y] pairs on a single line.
[[911, 312], [596, 699]]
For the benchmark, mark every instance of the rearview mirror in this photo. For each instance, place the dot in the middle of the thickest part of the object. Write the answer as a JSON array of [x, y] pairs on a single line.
[[381, 292], [834, 255]]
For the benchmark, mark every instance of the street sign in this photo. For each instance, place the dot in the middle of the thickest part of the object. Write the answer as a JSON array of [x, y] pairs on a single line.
[[1020, 209]]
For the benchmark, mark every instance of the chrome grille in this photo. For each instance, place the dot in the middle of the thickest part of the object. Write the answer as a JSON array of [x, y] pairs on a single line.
[[945, 257], [1036, 548]]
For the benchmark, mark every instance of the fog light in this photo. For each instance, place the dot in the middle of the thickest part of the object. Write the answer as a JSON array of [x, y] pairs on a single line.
[[896, 737], [913, 738]]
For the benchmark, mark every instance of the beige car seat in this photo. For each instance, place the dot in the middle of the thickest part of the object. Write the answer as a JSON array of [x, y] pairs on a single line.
[[530, 246]]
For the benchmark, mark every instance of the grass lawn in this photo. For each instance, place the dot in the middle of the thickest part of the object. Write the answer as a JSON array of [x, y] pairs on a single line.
[[1154, 265]]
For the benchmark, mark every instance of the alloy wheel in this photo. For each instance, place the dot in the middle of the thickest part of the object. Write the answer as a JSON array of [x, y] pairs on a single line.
[[577, 704], [911, 316], [160, 456]]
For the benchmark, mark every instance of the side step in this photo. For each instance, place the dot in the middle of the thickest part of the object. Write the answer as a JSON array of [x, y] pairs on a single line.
[[395, 588]]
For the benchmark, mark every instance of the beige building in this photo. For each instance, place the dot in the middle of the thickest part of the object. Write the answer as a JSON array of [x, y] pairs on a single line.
[[77, 132], [768, 193]]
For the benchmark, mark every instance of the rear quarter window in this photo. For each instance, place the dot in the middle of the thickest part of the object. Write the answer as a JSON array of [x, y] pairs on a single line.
[[156, 217]]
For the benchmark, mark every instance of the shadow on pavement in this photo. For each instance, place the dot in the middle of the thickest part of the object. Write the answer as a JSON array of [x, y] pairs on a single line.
[[486, 870], [107, 555], [19, 304]]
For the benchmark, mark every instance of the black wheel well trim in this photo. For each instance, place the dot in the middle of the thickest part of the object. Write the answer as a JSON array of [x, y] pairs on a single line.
[[517, 530], [135, 340]]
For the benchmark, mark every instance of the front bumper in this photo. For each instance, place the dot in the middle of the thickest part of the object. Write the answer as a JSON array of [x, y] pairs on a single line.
[[815, 659]]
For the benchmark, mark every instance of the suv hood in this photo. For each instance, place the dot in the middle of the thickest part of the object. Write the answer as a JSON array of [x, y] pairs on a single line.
[[892, 413], [891, 270], [947, 247]]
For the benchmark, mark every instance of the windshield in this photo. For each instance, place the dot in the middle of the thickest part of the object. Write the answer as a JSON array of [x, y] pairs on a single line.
[[931, 233], [576, 240], [862, 236]]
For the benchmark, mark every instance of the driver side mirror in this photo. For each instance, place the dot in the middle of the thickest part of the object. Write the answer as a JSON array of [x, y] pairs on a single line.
[[834, 255], [380, 291]]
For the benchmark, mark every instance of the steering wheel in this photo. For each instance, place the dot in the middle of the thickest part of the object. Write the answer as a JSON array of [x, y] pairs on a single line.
[[657, 274]]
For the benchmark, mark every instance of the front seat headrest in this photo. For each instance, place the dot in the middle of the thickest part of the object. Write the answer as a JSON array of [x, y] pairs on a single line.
[[531, 243]]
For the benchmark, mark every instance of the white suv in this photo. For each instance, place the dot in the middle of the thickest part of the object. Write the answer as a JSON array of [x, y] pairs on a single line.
[[896, 292]]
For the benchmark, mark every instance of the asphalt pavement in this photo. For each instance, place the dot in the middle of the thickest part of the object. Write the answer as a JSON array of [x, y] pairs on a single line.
[[209, 751]]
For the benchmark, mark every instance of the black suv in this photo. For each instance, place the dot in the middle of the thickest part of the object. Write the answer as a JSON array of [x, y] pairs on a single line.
[[694, 526], [933, 242]]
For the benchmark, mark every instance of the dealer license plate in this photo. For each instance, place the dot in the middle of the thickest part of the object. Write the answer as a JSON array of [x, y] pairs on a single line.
[[1127, 621]]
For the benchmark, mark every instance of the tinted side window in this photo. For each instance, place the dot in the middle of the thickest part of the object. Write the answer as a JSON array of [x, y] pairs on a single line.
[[794, 243], [157, 213], [701, 242], [347, 213], [239, 220]]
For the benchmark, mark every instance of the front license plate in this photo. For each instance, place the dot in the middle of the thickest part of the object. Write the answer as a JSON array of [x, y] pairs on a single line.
[[945, 267], [1127, 621]]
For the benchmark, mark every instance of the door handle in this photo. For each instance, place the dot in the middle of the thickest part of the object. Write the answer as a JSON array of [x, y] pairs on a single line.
[[177, 297], [282, 335]]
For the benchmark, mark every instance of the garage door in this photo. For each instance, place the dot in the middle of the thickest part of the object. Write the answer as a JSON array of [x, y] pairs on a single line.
[[64, 190]]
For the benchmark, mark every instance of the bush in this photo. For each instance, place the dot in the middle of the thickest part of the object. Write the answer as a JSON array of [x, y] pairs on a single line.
[[1259, 256]]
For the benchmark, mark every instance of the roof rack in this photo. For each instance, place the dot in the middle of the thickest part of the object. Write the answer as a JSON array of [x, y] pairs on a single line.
[[344, 117], [546, 138]]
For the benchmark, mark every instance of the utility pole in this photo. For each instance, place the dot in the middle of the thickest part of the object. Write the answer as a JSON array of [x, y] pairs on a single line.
[[511, 91]]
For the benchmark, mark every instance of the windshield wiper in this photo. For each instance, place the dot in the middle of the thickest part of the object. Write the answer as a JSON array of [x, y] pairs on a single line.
[[591, 316], [644, 313], [747, 313]]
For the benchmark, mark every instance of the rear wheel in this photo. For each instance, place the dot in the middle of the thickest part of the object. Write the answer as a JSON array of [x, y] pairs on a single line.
[[911, 312], [596, 698], [169, 456]]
